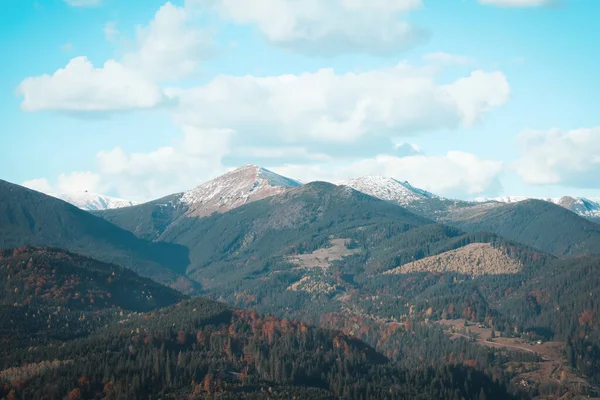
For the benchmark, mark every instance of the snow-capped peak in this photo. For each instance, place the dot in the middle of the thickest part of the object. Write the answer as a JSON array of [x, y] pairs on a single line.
[[93, 201], [389, 189], [579, 205], [235, 188]]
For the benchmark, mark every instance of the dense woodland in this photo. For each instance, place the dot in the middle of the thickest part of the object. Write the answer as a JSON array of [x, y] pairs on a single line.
[[540, 224], [36, 276], [198, 349]]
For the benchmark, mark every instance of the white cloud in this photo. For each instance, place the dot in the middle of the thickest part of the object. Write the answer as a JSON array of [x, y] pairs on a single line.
[[518, 3], [81, 87], [478, 93], [111, 32], [556, 157], [323, 106], [454, 174], [39, 184], [83, 3], [294, 113], [79, 182], [193, 159], [197, 158], [69, 183], [171, 46], [169, 169], [327, 26], [441, 58]]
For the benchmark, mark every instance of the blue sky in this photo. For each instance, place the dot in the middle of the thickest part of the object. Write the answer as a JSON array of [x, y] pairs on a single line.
[[488, 99]]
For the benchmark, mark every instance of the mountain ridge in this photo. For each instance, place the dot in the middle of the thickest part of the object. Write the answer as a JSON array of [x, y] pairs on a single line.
[[226, 192], [240, 186], [390, 189], [583, 206], [251, 182], [28, 217], [540, 224]]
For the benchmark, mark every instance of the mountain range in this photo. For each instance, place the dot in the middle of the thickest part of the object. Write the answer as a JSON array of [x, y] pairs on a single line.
[[586, 207], [384, 264], [250, 183], [402, 193]]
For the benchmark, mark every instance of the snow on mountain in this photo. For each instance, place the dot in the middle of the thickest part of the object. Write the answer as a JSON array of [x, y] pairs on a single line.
[[388, 189], [503, 199], [93, 201], [580, 205], [236, 188], [589, 208]]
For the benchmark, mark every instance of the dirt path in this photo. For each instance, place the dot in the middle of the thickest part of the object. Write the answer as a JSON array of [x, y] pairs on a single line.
[[510, 346]]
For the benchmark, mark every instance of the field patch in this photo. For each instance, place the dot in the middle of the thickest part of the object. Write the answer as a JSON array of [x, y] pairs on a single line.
[[323, 257], [475, 259]]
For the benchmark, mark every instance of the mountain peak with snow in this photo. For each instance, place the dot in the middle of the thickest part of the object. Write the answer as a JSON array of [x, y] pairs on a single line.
[[390, 189], [92, 201], [235, 188]]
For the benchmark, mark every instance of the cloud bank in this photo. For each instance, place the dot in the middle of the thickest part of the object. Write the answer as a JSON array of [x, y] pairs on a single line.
[[327, 27], [555, 157]]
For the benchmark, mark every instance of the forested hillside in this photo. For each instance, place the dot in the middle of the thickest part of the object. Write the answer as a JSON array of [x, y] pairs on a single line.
[[540, 224], [28, 217], [193, 349], [244, 240], [49, 295], [562, 305], [37, 276], [148, 220]]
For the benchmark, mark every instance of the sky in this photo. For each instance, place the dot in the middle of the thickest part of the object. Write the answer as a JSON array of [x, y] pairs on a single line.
[[140, 99]]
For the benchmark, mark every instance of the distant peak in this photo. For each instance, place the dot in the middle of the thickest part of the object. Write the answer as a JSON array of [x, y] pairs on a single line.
[[387, 188], [256, 172], [89, 201], [235, 188]]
